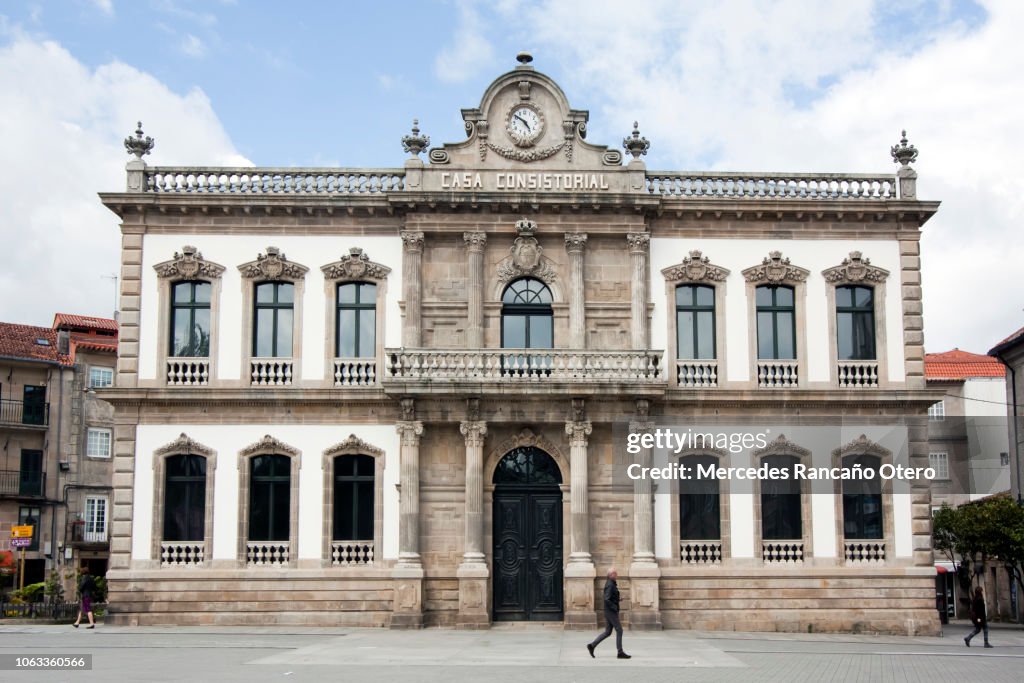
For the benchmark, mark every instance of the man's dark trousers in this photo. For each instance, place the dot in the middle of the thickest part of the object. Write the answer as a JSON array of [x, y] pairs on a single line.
[[611, 615]]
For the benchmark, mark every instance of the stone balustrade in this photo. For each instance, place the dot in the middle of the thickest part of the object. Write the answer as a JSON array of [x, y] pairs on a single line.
[[264, 553], [271, 372], [858, 374], [772, 186], [783, 551], [182, 553], [700, 552], [346, 553], [355, 372], [864, 552], [697, 374], [187, 372], [777, 374], [524, 365], [273, 181]]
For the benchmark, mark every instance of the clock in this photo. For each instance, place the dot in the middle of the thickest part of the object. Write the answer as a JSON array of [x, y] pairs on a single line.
[[525, 125]]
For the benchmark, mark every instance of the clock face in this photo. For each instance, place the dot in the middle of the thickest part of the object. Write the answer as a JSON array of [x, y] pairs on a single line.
[[525, 124]]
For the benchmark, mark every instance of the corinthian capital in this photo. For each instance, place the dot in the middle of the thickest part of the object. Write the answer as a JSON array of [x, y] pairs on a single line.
[[578, 432], [575, 242], [475, 241], [474, 432], [638, 242], [412, 240], [410, 432]]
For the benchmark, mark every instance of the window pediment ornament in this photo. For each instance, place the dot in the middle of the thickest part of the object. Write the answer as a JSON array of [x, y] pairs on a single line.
[[184, 445], [353, 445], [355, 265], [855, 269], [188, 265], [860, 446], [695, 268], [272, 265], [527, 257], [782, 446], [775, 269], [268, 444]]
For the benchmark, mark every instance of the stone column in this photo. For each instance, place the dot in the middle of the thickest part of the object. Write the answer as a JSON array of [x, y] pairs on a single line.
[[407, 611], [643, 572], [639, 242], [580, 572], [472, 572], [412, 288], [574, 245], [475, 242]]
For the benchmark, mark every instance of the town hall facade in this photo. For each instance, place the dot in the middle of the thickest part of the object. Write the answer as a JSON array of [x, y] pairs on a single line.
[[394, 397]]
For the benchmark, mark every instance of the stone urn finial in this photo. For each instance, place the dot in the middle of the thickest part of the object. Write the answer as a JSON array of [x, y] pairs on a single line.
[[139, 145], [903, 153], [415, 143], [524, 58], [636, 145]]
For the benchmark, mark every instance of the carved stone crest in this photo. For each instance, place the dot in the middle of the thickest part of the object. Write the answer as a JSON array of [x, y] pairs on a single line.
[[187, 265], [184, 444], [355, 265], [695, 268], [269, 444], [855, 268], [782, 446], [527, 256], [775, 269], [354, 445], [272, 266]]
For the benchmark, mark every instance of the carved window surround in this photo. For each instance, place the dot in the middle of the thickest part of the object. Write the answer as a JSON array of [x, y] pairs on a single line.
[[863, 445], [858, 271], [186, 266], [183, 445], [696, 269], [725, 533], [268, 445], [783, 446], [353, 445], [777, 270], [271, 266]]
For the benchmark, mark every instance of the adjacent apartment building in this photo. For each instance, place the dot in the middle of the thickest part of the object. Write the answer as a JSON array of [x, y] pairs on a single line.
[[390, 397]]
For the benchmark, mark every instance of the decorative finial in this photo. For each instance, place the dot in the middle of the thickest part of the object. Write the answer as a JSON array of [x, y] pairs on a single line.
[[139, 145], [524, 58], [415, 143], [903, 153], [525, 227], [636, 145]]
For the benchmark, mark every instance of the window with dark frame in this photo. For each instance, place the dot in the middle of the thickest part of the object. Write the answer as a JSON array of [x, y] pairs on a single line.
[[862, 500], [353, 498], [695, 322], [355, 320], [185, 498], [31, 516], [776, 322], [269, 498], [527, 319], [781, 512], [30, 478], [700, 514], [33, 405], [190, 319], [855, 323], [273, 320]]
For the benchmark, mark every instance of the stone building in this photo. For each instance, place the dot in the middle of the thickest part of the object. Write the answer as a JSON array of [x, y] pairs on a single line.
[[394, 397]]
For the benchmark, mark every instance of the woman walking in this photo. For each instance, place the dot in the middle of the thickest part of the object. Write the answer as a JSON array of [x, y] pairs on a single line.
[[86, 588]]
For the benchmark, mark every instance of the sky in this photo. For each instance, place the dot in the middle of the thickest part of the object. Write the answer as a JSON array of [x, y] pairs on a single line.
[[779, 85]]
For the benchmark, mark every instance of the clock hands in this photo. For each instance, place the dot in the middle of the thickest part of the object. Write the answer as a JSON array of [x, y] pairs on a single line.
[[525, 122]]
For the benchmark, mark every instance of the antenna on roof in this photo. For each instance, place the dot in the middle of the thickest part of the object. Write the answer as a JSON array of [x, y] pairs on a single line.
[[115, 278]]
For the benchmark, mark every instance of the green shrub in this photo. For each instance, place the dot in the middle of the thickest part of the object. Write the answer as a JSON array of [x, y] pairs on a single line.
[[31, 593]]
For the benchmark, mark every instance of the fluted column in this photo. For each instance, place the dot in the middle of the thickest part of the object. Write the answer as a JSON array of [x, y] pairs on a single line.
[[643, 501], [412, 288], [475, 242], [644, 573], [639, 243], [574, 245], [474, 433], [579, 551], [409, 500]]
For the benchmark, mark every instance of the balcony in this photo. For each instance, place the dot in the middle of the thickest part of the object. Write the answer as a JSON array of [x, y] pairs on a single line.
[[271, 372], [777, 374], [534, 370], [188, 372], [858, 374], [14, 413], [18, 484], [80, 536], [697, 374]]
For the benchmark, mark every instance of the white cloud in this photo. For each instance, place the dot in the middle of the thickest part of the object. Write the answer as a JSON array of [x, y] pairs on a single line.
[[470, 53], [105, 6], [192, 46], [63, 127]]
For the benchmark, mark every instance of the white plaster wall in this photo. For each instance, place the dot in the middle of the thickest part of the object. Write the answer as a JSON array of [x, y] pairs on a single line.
[[814, 255], [985, 397], [227, 441], [231, 251]]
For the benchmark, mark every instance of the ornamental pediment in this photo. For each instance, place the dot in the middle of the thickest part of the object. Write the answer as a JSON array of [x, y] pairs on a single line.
[[775, 269], [695, 268], [855, 269], [273, 265]]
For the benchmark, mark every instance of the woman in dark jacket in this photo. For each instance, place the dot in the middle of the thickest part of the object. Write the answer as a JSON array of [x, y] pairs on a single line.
[[978, 617], [86, 588]]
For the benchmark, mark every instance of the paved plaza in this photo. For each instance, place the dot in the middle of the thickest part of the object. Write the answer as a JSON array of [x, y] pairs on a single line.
[[533, 653]]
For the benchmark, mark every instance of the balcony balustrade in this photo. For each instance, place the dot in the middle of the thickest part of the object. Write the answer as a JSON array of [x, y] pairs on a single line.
[[858, 374], [15, 413], [20, 484]]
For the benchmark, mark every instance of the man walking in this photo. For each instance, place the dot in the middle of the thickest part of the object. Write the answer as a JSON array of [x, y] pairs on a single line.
[[978, 617], [611, 615]]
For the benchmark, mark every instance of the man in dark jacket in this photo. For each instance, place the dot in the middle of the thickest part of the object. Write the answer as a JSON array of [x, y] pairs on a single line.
[[978, 617], [611, 615]]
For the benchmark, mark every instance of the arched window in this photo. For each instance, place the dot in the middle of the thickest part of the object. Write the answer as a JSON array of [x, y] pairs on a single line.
[[527, 320], [356, 320], [273, 320], [776, 322], [695, 322], [700, 515], [855, 322], [269, 498], [862, 500], [190, 319], [353, 498], [781, 513], [185, 498]]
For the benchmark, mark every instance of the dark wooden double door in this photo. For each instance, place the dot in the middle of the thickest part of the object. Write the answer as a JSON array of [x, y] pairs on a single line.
[[528, 554]]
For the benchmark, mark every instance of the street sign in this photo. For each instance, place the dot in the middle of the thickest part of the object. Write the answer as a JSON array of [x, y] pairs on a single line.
[[23, 531], [21, 542]]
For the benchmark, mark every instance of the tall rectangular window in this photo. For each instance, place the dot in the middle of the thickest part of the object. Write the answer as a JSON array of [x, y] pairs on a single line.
[[269, 498], [185, 498], [190, 319], [31, 516], [33, 405], [855, 323], [356, 320], [95, 519], [97, 443], [31, 476], [100, 378], [776, 323], [695, 322], [273, 320], [940, 463]]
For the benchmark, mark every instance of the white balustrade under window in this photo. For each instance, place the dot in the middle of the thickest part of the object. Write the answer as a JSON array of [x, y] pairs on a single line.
[[858, 373], [184, 372], [263, 553], [181, 553], [864, 552], [700, 552], [775, 374], [344, 553], [355, 372], [697, 373], [525, 365], [783, 551], [271, 372]]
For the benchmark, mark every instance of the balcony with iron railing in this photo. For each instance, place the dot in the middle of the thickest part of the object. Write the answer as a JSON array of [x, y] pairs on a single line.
[[20, 484], [82, 534], [26, 414]]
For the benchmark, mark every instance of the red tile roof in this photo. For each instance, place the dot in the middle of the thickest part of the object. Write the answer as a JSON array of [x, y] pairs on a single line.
[[84, 323], [1013, 340], [20, 341], [957, 365]]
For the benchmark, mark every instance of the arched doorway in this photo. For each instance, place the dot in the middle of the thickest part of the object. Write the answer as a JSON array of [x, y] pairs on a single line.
[[527, 537]]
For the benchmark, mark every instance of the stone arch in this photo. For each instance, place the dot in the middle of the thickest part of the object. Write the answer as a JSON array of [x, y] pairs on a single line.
[[526, 437]]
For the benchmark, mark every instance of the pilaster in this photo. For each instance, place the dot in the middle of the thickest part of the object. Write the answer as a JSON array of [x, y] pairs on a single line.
[[407, 611], [639, 244], [644, 613], [574, 246], [475, 243], [580, 572], [412, 288], [472, 572]]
